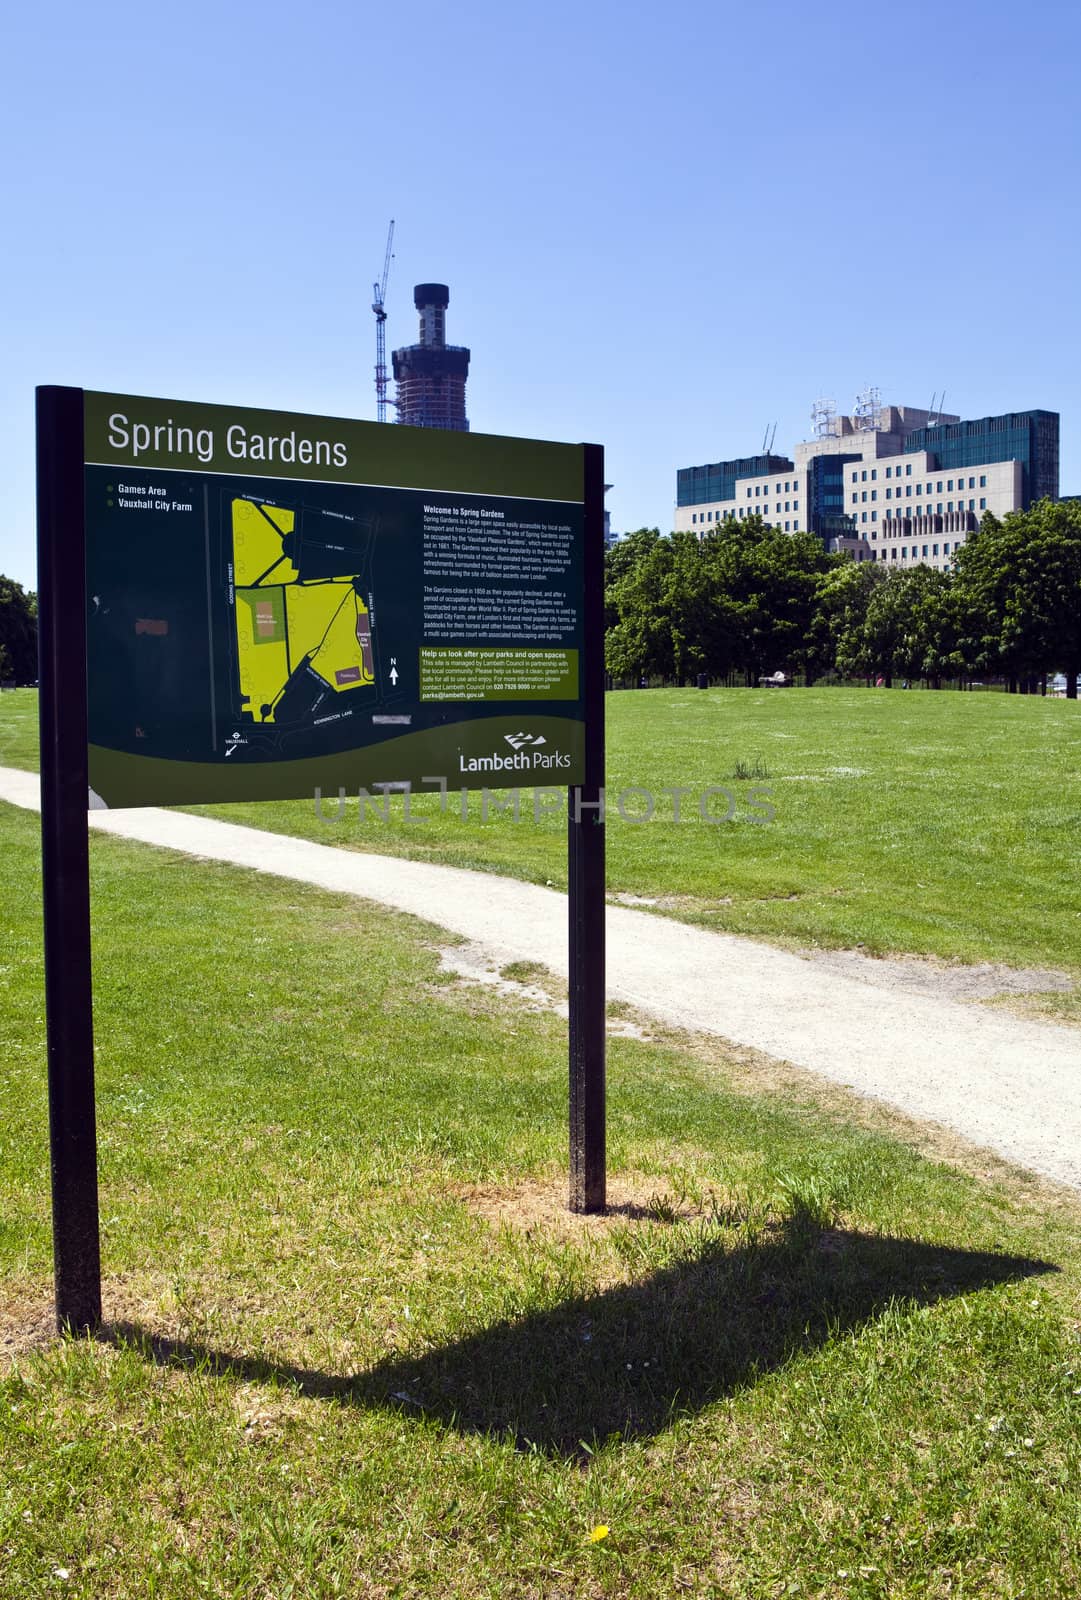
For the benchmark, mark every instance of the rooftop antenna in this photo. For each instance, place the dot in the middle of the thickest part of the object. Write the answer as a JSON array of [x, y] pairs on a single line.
[[768, 438], [379, 295], [868, 402], [823, 419]]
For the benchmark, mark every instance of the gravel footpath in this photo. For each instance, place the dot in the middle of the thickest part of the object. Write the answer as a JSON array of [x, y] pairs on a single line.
[[1011, 1085]]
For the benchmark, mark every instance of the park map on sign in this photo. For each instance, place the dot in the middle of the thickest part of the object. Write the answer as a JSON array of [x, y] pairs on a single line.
[[302, 622]]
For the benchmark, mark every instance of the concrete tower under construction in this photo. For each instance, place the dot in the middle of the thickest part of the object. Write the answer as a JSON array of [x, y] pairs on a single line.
[[431, 375]]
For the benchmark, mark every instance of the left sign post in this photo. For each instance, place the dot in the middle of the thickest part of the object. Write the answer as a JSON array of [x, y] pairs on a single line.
[[65, 858]]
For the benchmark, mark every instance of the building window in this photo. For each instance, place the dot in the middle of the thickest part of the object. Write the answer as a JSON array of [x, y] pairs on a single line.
[[855, 477], [786, 528], [983, 505], [972, 505], [694, 516], [795, 526], [889, 492], [949, 486], [874, 494], [787, 506], [874, 473], [863, 516], [925, 549], [945, 549], [908, 491], [908, 470], [795, 505], [863, 477], [748, 494], [949, 505], [938, 509], [983, 480], [874, 516], [893, 553], [919, 488], [934, 549]]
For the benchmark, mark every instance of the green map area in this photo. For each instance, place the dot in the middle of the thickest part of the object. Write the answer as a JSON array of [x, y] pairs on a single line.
[[288, 624]]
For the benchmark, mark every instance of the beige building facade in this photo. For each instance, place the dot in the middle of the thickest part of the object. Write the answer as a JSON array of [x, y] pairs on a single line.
[[861, 487]]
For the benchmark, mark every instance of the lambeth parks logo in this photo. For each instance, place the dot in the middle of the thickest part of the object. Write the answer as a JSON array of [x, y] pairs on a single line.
[[525, 755]]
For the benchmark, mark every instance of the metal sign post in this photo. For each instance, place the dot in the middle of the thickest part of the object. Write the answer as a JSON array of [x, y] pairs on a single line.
[[65, 861], [586, 903]]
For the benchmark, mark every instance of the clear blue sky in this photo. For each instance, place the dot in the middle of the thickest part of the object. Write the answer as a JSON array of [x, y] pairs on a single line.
[[663, 228]]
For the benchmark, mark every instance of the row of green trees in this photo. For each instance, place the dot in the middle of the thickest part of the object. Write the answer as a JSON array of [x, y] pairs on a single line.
[[18, 632], [747, 599]]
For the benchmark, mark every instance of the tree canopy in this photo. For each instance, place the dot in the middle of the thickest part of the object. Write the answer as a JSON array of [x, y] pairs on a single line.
[[740, 598], [18, 632], [745, 598]]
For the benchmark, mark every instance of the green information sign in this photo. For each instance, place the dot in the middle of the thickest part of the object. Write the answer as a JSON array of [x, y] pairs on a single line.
[[278, 603], [247, 605]]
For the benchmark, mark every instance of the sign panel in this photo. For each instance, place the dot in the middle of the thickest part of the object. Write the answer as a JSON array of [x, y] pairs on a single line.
[[278, 603]]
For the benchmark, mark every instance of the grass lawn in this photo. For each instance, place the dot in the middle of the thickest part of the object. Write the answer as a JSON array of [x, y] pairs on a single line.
[[356, 1348], [944, 824]]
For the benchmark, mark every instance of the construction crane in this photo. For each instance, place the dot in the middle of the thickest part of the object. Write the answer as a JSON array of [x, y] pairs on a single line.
[[379, 295]]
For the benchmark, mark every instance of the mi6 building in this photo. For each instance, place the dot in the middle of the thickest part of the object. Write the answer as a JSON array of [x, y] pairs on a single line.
[[888, 483]]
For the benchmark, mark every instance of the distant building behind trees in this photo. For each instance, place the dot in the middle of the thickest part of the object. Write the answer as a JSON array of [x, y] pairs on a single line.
[[747, 599]]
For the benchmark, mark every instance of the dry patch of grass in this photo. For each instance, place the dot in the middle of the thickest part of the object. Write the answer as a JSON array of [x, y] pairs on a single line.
[[1050, 1006], [537, 1205], [27, 1321]]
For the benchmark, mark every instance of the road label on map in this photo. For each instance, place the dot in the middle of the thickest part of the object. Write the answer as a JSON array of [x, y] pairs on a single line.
[[278, 603]]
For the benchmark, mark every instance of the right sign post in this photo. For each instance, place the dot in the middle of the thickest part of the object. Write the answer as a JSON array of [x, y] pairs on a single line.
[[586, 886]]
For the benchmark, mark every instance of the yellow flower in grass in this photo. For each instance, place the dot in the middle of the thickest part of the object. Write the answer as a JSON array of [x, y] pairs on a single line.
[[598, 1533]]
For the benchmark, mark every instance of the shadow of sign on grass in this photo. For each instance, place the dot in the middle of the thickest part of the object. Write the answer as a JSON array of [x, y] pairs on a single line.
[[626, 1360]]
